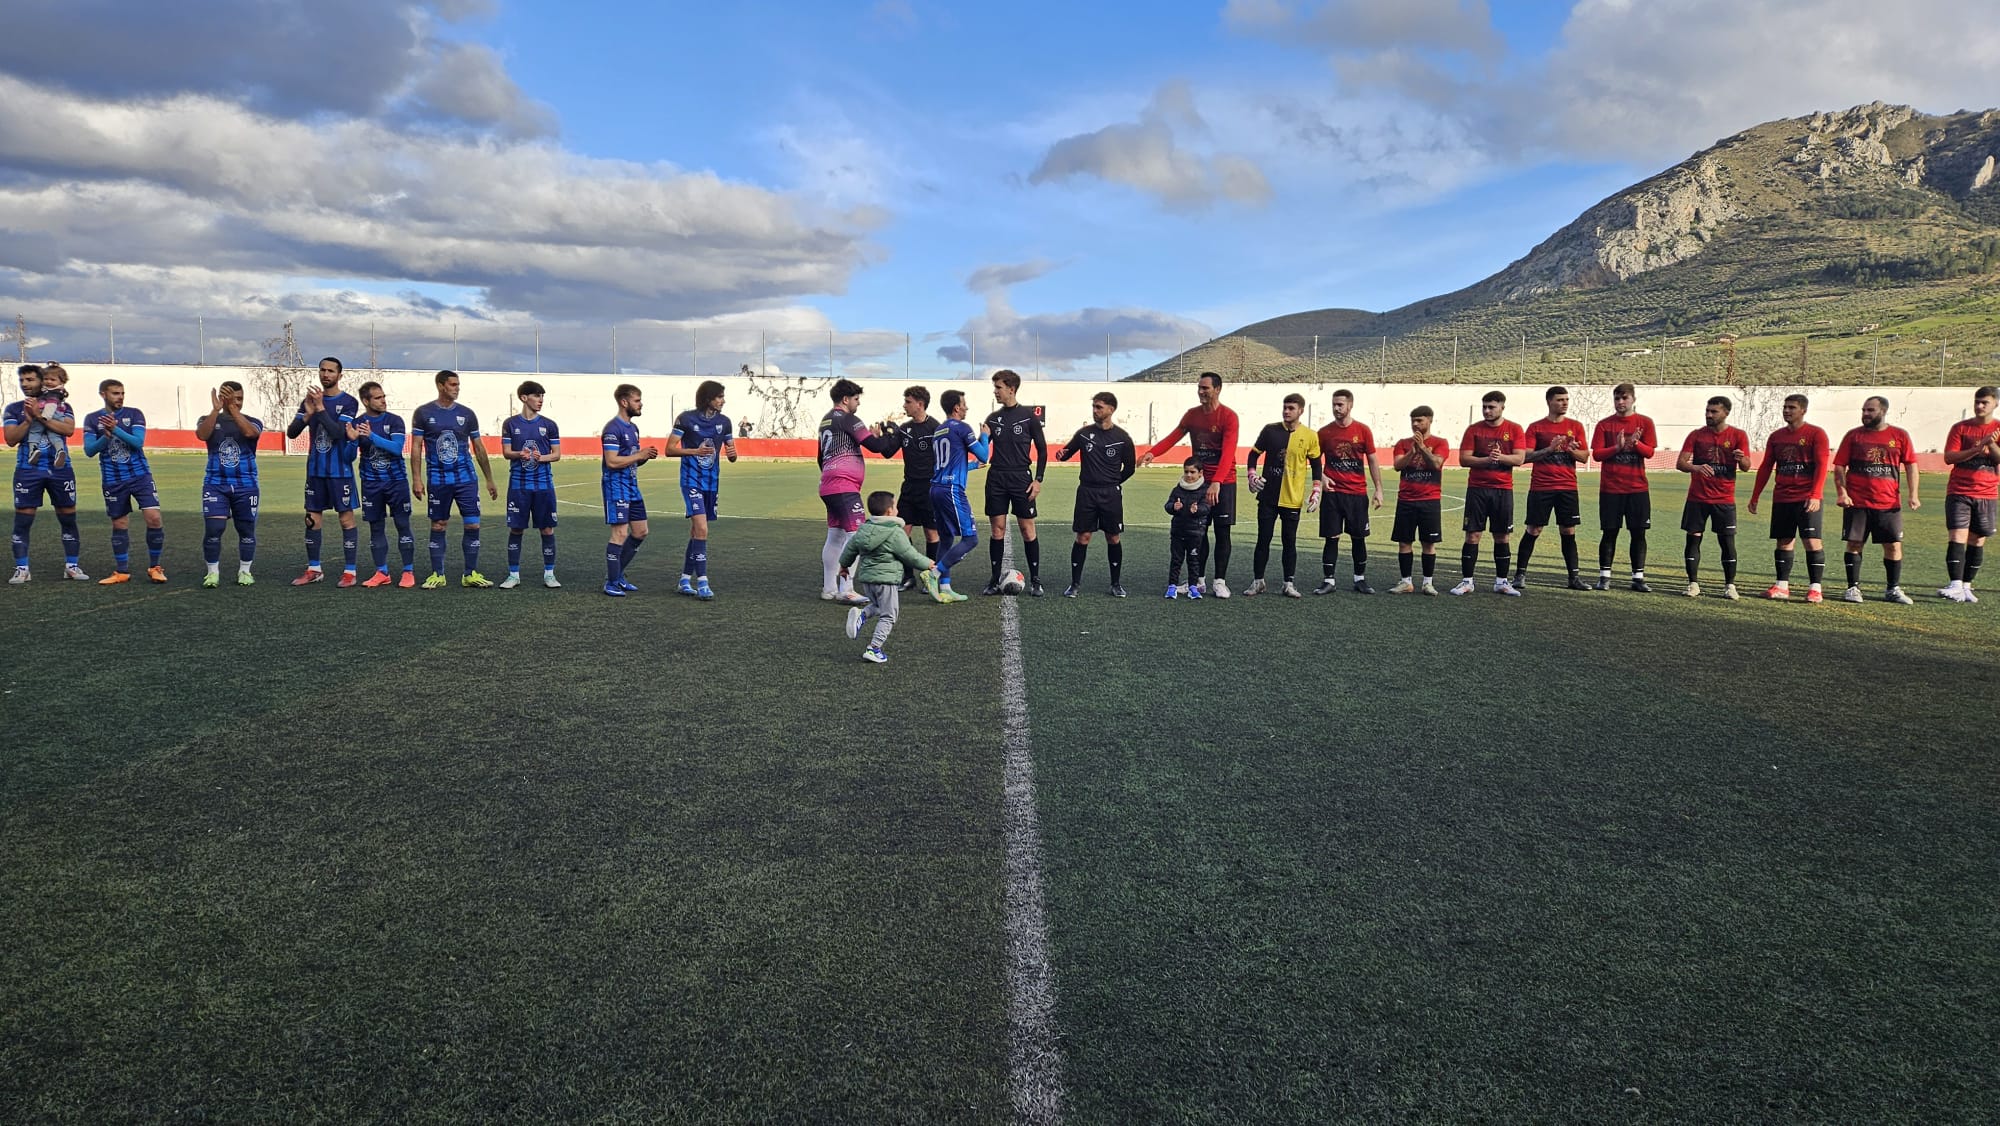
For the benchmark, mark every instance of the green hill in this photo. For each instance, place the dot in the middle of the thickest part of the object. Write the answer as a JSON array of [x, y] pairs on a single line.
[[1853, 247]]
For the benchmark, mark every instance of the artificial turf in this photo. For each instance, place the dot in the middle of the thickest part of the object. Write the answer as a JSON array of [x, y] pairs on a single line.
[[532, 855]]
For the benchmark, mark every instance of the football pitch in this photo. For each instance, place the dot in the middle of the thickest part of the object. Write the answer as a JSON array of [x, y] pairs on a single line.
[[532, 855]]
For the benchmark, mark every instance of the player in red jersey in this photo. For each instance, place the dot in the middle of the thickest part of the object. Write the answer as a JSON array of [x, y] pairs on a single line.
[[1972, 449], [1554, 444], [1345, 447], [1864, 474], [1798, 454], [1211, 429], [1420, 459], [1491, 448], [1622, 443], [1711, 456]]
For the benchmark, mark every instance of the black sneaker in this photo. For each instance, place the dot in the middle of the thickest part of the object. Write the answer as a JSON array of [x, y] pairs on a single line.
[[1603, 583], [1576, 583], [907, 585], [1519, 581], [1361, 587], [1117, 591], [1035, 588], [1069, 591], [1639, 587], [991, 589]]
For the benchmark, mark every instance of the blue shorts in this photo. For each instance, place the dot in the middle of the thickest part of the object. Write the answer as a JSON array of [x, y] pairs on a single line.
[[385, 499], [531, 508], [623, 510], [29, 484], [465, 494], [122, 498], [699, 502], [229, 504], [336, 493], [951, 511]]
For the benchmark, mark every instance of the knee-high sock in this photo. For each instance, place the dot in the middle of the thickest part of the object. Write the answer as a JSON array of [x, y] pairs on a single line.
[[313, 543], [548, 551], [406, 542], [1691, 555], [211, 539], [156, 543], [1501, 553], [378, 543], [514, 550], [1816, 566], [1525, 552], [995, 548], [958, 549], [1329, 558], [72, 541], [1607, 552], [829, 559], [437, 551], [468, 545], [1954, 562], [1221, 551], [1784, 557], [1430, 564], [121, 549], [934, 548], [614, 563], [1406, 562], [1638, 554], [1357, 553], [246, 541], [350, 547], [1468, 559], [1571, 559], [24, 522], [1078, 552], [1894, 569], [1975, 554], [1853, 561], [700, 559], [1114, 553], [1033, 550], [632, 546], [1727, 543]]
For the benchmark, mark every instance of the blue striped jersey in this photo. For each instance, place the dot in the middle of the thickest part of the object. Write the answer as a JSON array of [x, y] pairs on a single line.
[[40, 447], [621, 438], [696, 429], [952, 443], [381, 466], [537, 434], [120, 460], [232, 456], [331, 452], [448, 434]]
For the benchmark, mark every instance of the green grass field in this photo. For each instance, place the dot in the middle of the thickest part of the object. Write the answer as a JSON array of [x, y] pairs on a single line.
[[537, 855]]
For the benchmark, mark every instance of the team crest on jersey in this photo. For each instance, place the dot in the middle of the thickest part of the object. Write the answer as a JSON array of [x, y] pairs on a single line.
[[447, 448], [118, 451], [322, 443], [229, 453]]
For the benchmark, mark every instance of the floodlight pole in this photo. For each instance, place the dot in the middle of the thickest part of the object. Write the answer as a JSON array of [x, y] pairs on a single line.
[[114, 342], [201, 339], [696, 359]]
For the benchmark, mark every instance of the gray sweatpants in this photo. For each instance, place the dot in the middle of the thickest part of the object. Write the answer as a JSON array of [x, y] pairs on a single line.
[[883, 602]]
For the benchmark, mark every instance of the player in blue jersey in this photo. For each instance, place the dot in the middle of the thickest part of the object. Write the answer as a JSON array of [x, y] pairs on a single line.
[[958, 534], [385, 485], [441, 435], [116, 437], [329, 413], [698, 438], [624, 507], [531, 443], [39, 429], [229, 486]]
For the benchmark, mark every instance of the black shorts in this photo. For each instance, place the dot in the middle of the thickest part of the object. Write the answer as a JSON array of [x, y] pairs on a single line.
[[913, 503], [1343, 514], [1975, 515], [1631, 511], [1696, 516], [1790, 521], [1418, 520], [1224, 511], [1007, 493], [1561, 503], [1489, 510], [1099, 508], [1883, 525]]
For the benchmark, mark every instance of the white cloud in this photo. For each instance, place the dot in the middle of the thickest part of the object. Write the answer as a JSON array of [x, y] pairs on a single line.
[[1057, 341], [1368, 25], [988, 278], [1150, 155]]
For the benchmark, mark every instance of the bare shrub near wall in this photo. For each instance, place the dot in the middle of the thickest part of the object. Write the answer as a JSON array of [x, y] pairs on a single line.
[[280, 381], [786, 401]]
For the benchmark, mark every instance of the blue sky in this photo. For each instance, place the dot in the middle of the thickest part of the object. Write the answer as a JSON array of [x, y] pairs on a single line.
[[1001, 178]]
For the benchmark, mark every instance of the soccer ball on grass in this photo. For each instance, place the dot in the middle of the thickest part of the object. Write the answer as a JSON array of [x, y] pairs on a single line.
[[1013, 583]]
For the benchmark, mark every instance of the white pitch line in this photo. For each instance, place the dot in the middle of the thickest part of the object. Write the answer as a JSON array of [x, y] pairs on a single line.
[[1034, 1063]]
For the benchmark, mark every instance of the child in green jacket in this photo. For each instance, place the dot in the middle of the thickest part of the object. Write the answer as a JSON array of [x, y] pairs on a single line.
[[883, 548]]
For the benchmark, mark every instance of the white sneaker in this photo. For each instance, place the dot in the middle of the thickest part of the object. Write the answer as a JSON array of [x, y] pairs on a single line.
[[1428, 588], [1502, 586], [20, 576], [512, 580], [1729, 592], [1465, 586], [1853, 595], [1895, 594], [1221, 589], [1969, 596], [1291, 591], [1404, 587], [1255, 588], [72, 571], [855, 617], [549, 580], [1693, 590], [1950, 590]]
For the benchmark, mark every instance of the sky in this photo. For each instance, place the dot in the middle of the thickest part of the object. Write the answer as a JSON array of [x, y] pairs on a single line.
[[895, 184]]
